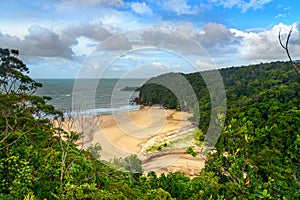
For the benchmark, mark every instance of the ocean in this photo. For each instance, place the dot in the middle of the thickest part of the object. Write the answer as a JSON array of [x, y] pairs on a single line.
[[104, 96]]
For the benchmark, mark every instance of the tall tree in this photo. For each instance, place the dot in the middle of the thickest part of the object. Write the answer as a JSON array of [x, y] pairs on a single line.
[[23, 124]]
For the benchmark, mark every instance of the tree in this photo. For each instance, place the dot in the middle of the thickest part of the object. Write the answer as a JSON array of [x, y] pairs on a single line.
[[13, 78], [24, 125], [158, 194], [18, 107], [286, 48]]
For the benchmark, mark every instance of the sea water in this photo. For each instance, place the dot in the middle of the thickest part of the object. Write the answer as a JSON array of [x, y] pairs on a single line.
[[104, 96]]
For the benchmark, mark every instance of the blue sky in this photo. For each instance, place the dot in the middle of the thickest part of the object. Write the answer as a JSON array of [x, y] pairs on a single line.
[[118, 38]]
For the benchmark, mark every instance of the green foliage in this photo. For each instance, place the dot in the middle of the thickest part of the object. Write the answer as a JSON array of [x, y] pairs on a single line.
[[191, 151], [95, 150], [150, 96], [257, 155], [178, 185], [170, 90], [158, 194], [122, 190], [159, 147], [12, 77], [29, 196], [84, 191], [16, 178], [199, 137], [258, 151], [130, 164], [206, 185]]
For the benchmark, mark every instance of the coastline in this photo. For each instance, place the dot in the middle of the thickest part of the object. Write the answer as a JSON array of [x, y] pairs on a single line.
[[125, 133]]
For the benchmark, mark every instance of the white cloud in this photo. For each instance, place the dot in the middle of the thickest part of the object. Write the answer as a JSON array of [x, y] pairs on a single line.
[[242, 4], [160, 66], [264, 46], [215, 38], [251, 46], [114, 3], [39, 42], [44, 42], [215, 34], [205, 65], [84, 46], [121, 20], [284, 12], [180, 7], [187, 29], [117, 42], [280, 15], [141, 8], [90, 10], [7, 41], [96, 32], [223, 44], [171, 40]]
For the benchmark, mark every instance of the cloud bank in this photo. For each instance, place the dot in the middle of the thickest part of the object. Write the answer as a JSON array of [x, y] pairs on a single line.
[[215, 38]]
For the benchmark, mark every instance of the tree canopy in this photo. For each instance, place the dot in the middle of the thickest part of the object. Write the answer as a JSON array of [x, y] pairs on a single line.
[[257, 155]]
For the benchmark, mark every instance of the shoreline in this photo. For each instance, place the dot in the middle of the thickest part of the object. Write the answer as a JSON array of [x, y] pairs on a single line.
[[124, 133]]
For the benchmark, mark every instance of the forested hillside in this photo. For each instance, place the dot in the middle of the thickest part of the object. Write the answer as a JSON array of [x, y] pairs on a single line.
[[257, 155], [256, 91], [261, 134]]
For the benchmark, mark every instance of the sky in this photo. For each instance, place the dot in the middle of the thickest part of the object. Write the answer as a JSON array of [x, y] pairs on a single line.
[[140, 39]]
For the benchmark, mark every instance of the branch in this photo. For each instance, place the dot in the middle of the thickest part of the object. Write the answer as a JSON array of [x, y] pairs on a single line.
[[9, 130], [286, 48]]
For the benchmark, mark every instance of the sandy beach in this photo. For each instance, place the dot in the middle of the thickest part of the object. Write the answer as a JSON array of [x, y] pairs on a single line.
[[126, 133]]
